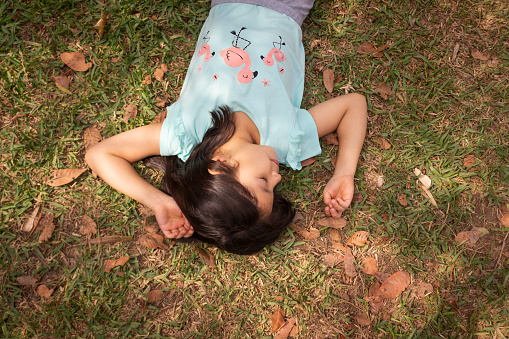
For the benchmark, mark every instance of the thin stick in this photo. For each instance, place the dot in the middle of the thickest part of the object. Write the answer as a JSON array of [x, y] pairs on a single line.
[[502, 250]]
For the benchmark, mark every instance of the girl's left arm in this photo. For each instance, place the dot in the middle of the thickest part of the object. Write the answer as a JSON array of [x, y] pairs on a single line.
[[347, 115]]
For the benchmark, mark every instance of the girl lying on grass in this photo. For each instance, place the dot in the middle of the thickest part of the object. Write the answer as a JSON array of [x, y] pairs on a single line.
[[237, 119]]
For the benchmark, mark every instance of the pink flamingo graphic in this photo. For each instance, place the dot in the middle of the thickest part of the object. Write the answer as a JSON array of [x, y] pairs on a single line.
[[205, 49], [276, 52], [236, 57]]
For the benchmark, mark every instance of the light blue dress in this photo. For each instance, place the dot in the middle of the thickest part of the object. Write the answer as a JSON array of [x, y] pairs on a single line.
[[250, 58]]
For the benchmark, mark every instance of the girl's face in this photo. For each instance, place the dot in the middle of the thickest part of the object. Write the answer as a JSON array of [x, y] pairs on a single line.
[[257, 170]]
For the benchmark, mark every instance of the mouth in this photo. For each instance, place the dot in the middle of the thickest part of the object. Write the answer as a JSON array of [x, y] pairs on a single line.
[[275, 161]]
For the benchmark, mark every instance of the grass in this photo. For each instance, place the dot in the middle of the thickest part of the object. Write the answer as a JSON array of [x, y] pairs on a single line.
[[446, 105]]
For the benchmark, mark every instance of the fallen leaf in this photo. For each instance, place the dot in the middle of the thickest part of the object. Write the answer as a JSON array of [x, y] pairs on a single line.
[[469, 160], [131, 111], [151, 228], [164, 67], [145, 211], [91, 137], [424, 179], [357, 198], [88, 226], [26, 280], [349, 265], [277, 318], [369, 266], [63, 176], [384, 144], [100, 25], [339, 246], [504, 220], [394, 285], [207, 257], [111, 263], [382, 276], [328, 80], [378, 52], [471, 236], [154, 241], [337, 223], [161, 103], [156, 295], [335, 236], [76, 61], [32, 221], [313, 233], [330, 139], [62, 82], [286, 329], [455, 51], [384, 90], [365, 48], [159, 74], [49, 226], [479, 56], [44, 291], [427, 193], [307, 162], [160, 117], [359, 239], [362, 320], [423, 289], [147, 80], [380, 181], [332, 259], [402, 199], [104, 240]]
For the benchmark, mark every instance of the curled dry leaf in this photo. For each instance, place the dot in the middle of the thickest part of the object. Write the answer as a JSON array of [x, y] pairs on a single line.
[[307, 162], [33, 220], [369, 266], [479, 56], [332, 260], [504, 220], [379, 51], [349, 265], [384, 144], [384, 90], [365, 48], [339, 246], [160, 117], [159, 74], [26, 280], [423, 289], [62, 82], [471, 237], [131, 111], [331, 139], [361, 319], [328, 80], [91, 137], [337, 223], [335, 236], [402, 199], [152, 240], [49, 226], [207, 257], [382, 276], [277, 318], [156, 295], [164, 67], [88, 226], [359, 239], [109, 264], [101, 24], [44, 291], [75, 61], [151, 228], [286, 329], [394, 285], [469, 160], [313, 233], [423, 178], [63, 176]]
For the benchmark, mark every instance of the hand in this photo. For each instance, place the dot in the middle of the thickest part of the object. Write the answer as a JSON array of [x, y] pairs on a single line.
[[338, 195], [171, 220]]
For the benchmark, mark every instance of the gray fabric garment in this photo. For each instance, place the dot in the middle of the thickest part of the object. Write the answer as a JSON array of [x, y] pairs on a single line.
[[295, 9]]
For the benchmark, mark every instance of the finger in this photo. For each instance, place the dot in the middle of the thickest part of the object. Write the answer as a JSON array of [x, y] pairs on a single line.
[[326, 197], [188, 233], [327, 211]]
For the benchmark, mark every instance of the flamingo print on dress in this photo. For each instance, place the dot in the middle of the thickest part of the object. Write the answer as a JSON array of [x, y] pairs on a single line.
[[276, 52], [236, 57], [205, 49]]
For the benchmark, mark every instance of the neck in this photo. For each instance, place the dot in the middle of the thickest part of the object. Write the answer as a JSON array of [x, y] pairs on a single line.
[[245, 129]]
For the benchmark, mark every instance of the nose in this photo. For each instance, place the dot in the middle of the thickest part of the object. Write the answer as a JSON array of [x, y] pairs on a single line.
[[277, 177]]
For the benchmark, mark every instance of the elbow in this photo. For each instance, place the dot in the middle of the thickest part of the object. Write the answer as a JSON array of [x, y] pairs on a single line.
[[90, 156]]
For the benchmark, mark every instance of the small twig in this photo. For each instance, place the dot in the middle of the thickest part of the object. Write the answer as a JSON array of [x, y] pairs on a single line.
[[501, 250]]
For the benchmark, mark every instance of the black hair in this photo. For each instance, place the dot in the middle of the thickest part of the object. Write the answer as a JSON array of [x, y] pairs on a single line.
[[220, 209]]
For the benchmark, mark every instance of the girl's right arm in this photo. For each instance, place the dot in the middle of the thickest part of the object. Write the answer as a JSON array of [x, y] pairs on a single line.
[[111, 159]]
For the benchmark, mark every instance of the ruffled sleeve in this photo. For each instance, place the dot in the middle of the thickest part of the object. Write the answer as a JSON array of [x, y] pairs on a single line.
[[304, 142], [175, 139]]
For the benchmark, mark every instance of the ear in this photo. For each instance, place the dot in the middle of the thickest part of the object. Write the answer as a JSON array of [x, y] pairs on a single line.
[[222, 159]]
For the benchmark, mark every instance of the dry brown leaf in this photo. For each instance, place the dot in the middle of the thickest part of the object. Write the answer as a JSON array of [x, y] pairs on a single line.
[[307, 162], [365, 48], [361, 319], [145, 211], [159, 74], [469, 160], [62, 82], [101, 24], [504, 220], [402, 199], [88, 226], [384, 90], [330, 139], [91, 137], [151, 228], [423, 289], [313, 233], [394, 285], [26, 280], [335, 236], [32, 221], [349, 265], [472, 236], [75, 61], [156, 295], [382, 276], [339, 246], [152, 240], [63, 176], [131, 111], [369, 266], [328, 80], [207, 257], [384, 144], [104, 240], [379, 51], [337, 223], [44, 291], [164, 67], [109, 264], [479, 56], [332, 259], [277, 318], [160, 117], [359, 239], [286, 329], [49, 226], [357, 198]]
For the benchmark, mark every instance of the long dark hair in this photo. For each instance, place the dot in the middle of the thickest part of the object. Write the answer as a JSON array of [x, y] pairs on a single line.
[[220, 209]]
